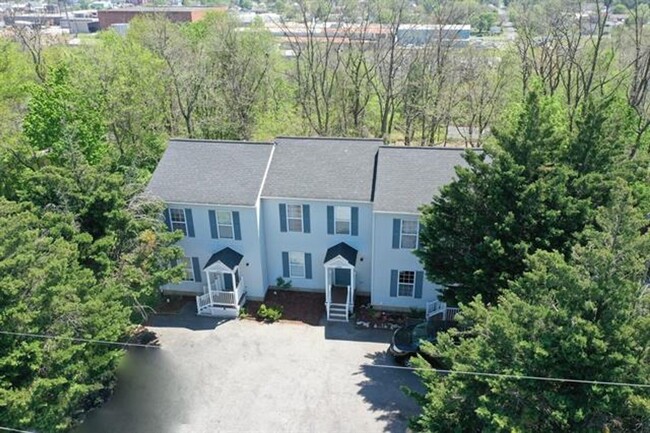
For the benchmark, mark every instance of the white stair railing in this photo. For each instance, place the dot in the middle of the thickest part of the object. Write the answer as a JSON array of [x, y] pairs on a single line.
[[202, 302], [437, 307]]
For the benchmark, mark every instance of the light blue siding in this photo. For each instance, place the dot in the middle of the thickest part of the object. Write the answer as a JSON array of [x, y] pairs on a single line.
[[316, 242], [388, 261], [203, 246]]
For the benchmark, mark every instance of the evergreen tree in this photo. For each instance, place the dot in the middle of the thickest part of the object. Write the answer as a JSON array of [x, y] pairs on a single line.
[[536, 189], [583, 317]]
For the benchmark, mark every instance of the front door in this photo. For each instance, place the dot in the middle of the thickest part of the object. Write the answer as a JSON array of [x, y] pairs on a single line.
[[342, 277], [216, 281], [227, 282]]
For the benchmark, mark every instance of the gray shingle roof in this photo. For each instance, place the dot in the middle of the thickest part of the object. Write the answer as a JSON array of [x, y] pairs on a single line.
[[408, 177], [322, 168], [211, 172]]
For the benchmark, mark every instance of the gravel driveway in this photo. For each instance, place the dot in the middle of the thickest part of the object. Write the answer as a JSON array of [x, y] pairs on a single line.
[[243, 376]]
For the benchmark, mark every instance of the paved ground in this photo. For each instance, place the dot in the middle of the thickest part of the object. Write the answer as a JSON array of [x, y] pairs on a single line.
[[243, 376]]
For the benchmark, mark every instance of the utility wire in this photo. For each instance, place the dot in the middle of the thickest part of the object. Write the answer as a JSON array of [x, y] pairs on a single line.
[[437, 370], [78, 340], [14, 430], [514, 376]]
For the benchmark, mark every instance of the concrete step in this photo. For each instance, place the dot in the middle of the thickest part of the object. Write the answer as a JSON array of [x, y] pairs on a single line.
[[338, 314]]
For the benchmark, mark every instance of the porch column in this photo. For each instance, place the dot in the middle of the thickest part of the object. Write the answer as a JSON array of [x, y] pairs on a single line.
[[352, 283], [327, 284], [234, 287], [207, 276]]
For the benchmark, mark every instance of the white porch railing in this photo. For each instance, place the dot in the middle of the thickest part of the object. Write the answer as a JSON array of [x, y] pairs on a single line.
[[219, 298], [437, 307]]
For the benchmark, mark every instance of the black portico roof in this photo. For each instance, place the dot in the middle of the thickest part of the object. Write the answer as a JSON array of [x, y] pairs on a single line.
[[344, 250], [227, 256]]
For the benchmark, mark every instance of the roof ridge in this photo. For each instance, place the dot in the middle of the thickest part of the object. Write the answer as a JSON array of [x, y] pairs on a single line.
[[298, 137], [215, 141], [430, 148]]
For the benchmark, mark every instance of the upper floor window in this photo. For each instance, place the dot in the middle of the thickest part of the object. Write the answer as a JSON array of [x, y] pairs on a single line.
[[188, 268], [296, 264], [409, 235], [406, 284], [342, 220], [294, 217], [177, 219], [224, 222]]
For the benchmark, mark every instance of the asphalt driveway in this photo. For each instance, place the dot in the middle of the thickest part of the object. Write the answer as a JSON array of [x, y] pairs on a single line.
[[243, 376]]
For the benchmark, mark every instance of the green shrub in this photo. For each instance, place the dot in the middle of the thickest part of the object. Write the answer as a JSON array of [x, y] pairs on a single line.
[[269, 314], [281, 283], [243, 313]]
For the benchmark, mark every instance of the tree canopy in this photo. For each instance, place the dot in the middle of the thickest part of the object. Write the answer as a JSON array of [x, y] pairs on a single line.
[[584, 317], [535, 189]]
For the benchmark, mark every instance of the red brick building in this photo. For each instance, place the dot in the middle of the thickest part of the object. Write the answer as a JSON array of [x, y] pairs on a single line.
[[109, 17]]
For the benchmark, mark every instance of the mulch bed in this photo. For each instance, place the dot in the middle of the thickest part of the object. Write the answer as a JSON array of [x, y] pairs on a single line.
[[296, 306], [365, 316], [173, 304]]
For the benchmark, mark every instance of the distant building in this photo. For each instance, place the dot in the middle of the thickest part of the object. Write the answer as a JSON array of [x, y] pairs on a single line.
[[421, 34], [109, 17]]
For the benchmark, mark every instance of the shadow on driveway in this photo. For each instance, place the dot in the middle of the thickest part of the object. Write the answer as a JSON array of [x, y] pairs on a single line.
[[186, 318], [347, 331], [382, 388]]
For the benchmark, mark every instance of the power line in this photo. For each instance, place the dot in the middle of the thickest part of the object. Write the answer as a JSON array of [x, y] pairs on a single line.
[[14, 430], [78, 340], [515, 376], [437, 370]]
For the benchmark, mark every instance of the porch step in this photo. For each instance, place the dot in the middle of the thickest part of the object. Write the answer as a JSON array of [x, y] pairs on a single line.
[[216, 311], [338, 313]]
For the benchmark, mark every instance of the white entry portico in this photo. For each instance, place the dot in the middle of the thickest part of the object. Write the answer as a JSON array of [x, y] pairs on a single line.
[[224, 291], [340, 276]]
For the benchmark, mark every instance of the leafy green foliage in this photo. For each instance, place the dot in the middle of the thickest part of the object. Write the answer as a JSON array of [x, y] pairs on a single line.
[[282, 283], [582, 317], [82, 253], [60, 116], [44, 289], [269, 313]]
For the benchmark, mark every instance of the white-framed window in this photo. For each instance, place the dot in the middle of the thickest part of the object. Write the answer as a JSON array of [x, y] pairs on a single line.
[[177, 219], [225, 225], [296, 264], [406, 284], [409, 234], [189, 269], [294, 217], [342, 220]]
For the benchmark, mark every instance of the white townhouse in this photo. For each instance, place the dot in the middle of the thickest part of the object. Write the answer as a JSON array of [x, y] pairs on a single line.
[[332, 215]]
